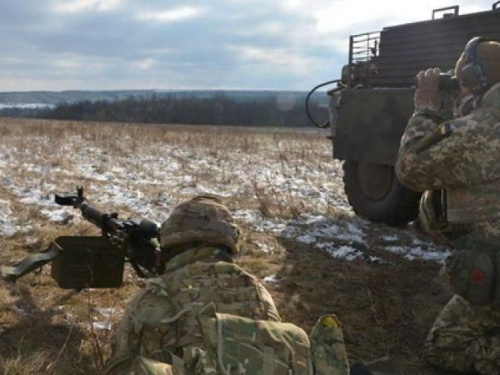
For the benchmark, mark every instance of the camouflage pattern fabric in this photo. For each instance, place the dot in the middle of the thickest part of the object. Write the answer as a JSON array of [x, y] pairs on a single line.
[[161, 319], [329, 355], [203, 218], [465, 339], [167, 329], [260, 347], [464, 162], [145, 366], [127, 364]]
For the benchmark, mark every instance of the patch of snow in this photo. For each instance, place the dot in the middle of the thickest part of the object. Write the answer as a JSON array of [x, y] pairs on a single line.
[[354, 229], [396, 249], [34, 196], [248, 216], [264, 248], [353, 238], [436, 256], [201, 189], [312, 219], [106, 311], [57, 216], [306, 238], [8, 230], [390, 238], [412, 253], [331, 230], [27, 105], [258, 222], [340, 252], [269, 226], [5, 210], [419, 242], [271, 279], [102, 326], [347, 252]]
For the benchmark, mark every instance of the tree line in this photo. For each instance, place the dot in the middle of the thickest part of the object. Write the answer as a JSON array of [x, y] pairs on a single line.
[[215, 110]]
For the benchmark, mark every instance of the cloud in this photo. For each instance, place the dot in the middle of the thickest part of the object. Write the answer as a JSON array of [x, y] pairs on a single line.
[[145, 64], [368, 15], [108, 44], [71, 64], [77, 6], [264, 29], [173, 15], [277, 58]]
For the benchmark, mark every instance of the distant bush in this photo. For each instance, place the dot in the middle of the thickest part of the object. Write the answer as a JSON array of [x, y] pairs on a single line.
[[216, 110]]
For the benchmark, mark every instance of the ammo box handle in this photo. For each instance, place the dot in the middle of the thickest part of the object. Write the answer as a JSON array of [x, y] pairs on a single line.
[[495, 5], [454, 8]]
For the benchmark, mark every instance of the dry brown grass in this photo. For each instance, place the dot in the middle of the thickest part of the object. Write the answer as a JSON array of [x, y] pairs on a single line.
[[385, 309]]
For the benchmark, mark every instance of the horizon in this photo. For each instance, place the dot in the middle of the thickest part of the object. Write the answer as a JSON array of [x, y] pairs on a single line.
[[46, 98], [153, 90]]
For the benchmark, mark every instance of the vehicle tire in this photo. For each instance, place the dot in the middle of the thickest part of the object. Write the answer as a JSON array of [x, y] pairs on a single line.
[[375, 193]]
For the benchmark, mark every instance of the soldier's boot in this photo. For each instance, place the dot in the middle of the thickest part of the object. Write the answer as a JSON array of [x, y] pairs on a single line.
[[329, 355]]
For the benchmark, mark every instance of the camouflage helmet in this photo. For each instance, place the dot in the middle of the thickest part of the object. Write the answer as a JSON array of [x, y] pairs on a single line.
[[488, 57], [201, 219]]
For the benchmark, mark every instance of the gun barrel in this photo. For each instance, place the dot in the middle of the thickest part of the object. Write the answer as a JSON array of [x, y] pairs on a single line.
[[93, 215], [134, 240], [107, 222]]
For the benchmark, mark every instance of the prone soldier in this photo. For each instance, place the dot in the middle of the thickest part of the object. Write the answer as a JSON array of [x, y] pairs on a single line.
[[206, 315]]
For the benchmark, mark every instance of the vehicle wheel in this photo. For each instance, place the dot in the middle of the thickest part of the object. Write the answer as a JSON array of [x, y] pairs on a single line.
[[375, 193]]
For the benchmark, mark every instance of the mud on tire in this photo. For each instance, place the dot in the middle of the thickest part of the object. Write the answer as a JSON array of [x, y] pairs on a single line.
[[375, 193]]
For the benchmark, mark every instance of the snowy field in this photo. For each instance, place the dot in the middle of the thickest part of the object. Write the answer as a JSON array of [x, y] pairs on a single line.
[[282, 186], [289, 171]]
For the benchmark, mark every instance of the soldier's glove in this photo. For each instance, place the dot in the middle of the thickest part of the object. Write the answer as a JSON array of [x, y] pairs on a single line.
[[427, 96]]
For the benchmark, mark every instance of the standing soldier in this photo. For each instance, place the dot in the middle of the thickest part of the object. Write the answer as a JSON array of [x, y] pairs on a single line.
[[206, 315], [456, 164]]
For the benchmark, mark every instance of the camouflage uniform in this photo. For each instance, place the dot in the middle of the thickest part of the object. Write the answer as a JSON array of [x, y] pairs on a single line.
[[206, 315], [465, 338], [457, 161]]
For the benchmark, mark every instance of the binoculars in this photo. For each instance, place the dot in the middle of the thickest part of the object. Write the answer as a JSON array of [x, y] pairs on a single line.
[[447, 82]]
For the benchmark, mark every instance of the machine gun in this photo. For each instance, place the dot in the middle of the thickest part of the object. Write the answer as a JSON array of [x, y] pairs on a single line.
[[80, 262]]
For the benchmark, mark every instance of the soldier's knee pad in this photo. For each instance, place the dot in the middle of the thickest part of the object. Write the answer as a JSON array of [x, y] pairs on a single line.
[[474, 275]]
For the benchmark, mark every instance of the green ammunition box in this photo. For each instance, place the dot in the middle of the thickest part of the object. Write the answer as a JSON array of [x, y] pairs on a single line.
[[87, 262]]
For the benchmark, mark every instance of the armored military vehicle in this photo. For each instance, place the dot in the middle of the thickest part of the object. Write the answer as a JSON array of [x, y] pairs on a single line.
[[373, 100]]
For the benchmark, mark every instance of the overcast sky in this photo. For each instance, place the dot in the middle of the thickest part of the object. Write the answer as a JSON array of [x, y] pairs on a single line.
[[190, 44]]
